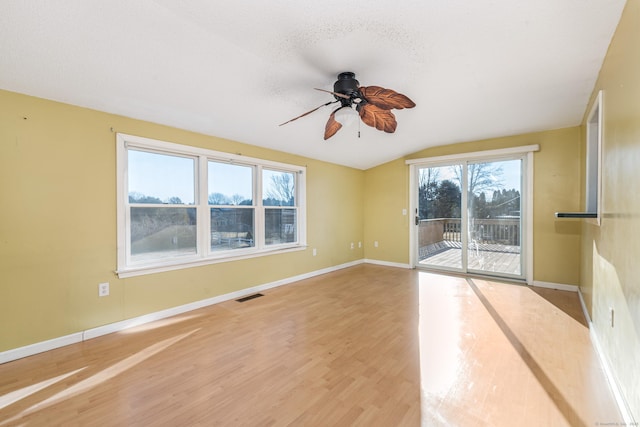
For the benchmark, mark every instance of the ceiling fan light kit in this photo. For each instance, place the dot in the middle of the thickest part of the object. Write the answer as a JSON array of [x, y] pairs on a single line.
[[372, 103], [346, 115]]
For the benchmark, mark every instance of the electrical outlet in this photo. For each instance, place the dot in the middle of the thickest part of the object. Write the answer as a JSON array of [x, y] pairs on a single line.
[[352, 246], [315, 252], [359, 244], [103, 289], [375, 244]]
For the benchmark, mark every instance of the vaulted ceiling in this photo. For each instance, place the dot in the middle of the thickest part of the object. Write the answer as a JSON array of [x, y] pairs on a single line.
[[237, 69]]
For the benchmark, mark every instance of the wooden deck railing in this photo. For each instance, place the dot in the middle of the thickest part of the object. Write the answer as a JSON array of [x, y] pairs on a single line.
[[504, 231]]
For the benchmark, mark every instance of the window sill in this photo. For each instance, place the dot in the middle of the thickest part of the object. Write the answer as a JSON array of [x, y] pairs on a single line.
[[167, 266]]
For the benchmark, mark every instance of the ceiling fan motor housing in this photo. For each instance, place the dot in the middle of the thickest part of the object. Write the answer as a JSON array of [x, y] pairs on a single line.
[[348, 85]]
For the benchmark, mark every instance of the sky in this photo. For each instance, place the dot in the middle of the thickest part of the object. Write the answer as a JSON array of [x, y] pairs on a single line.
[[161, 176], [166, 176], [511, 174], [508, 179]]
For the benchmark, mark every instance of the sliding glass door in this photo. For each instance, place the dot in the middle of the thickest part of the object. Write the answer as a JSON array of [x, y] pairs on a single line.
[[469, 217], [439, 217]]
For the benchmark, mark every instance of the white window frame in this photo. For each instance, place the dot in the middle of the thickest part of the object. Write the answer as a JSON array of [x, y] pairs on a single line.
[[204, 255], [593, 177]]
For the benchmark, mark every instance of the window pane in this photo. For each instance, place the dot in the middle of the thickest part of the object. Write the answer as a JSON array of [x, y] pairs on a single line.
[[160, 178], [493, 216], [280, 226], [278, 188], [440, 213], [230, 184], [162, 232], [232, 228]]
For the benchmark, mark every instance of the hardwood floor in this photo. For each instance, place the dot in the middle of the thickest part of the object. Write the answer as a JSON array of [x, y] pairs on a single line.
[[364, 346]]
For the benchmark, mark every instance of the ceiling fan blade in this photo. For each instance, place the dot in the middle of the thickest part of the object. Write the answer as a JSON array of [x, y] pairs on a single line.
[[332, 125], [340, 95], [386, 98], [379, 118], [308, 112]]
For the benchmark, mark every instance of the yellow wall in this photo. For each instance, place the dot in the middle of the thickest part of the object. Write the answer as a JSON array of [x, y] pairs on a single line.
[[611, 252], [386, 195], [556, 188], [58, 223]]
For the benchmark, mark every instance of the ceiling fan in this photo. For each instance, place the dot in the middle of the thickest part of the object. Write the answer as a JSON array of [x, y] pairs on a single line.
[[372, 103]]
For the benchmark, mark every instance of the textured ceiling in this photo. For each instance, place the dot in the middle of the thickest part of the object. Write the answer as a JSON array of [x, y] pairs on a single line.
[[476, 69]]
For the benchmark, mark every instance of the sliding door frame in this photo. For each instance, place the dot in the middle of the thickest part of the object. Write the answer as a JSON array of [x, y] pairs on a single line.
[[526, 152]]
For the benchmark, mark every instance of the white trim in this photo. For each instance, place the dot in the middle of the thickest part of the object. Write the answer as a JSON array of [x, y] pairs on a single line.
[[627, 416], [597, 107], [188, 150], [558, 286], [583, 304], [387, 263], [528, 238], [465, 217], [413, 209], [203, 255], [40, 347], [150, 269], [476, 155], [584, 308]]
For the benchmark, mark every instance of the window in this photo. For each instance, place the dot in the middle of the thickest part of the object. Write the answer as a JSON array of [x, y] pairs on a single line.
[[160, 223], [232, 212], [593, 196], [181, 206], [280, 211]]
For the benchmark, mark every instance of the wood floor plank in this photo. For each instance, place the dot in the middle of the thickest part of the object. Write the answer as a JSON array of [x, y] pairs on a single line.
[[364, 346]]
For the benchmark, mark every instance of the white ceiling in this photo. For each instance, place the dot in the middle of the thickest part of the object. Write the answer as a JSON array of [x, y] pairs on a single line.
[[237, 69]]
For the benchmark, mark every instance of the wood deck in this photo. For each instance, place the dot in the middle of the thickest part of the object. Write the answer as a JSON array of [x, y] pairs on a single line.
[[486, 258], [363, 346]]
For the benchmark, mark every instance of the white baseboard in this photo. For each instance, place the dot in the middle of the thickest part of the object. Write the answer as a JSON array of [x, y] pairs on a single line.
[[558, 286], [40, 347], [613, 384], [387, 264], [585, 311]]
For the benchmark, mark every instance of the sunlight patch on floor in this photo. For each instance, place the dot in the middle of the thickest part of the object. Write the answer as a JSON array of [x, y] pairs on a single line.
[[20, 394], [107, 373], [147, 326]]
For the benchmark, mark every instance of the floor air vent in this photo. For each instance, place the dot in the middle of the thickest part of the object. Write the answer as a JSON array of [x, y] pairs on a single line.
[[247, 298]]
